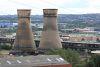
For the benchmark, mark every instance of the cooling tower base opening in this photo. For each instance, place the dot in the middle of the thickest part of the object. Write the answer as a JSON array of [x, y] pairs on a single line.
[[24, 53]]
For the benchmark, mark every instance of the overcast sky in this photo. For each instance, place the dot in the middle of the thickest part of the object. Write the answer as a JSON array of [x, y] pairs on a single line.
[[63, 6]]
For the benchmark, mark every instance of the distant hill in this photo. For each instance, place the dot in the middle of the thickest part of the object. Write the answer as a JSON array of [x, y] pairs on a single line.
[[94, 18], [90, 19]]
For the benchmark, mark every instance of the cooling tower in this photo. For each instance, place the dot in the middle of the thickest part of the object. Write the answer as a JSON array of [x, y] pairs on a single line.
[[24, 42], [50, 36]]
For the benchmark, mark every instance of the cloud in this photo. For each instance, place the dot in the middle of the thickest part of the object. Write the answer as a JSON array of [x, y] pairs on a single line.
[[60, 2], [94, 3], [79, 10], [10, 6], [64, 6]]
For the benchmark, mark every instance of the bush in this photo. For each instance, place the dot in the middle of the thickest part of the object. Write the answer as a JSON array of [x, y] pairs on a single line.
[[68, 54], [94, 61], [5, 47]]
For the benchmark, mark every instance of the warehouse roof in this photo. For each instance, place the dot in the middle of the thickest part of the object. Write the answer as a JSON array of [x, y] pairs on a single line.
[[40, 60]]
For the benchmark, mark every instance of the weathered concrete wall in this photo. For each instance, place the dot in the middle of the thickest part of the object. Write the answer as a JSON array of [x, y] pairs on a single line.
[[24, 38], [50, 37]]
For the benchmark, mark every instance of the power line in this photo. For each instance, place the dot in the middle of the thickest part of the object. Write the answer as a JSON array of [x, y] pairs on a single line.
[[44, 1], [59, 6]]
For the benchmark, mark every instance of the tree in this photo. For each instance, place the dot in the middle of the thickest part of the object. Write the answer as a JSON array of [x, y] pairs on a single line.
[[68, 54], [94, 61]]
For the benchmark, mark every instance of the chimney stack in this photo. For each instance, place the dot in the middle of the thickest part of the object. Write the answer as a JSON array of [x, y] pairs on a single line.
[[50, 35], [24, 42]]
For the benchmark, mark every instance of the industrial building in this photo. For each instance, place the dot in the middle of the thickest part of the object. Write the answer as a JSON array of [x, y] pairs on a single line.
[[34, 61]]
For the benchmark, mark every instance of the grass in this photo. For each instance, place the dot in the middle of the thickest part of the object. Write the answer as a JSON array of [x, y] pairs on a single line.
[[4, 52]]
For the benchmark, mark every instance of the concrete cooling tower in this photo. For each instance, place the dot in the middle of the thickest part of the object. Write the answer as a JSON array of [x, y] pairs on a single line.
[[50, 35], [24, 42]]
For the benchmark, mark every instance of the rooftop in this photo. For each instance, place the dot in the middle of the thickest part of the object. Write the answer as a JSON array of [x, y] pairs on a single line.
[[40, 60]]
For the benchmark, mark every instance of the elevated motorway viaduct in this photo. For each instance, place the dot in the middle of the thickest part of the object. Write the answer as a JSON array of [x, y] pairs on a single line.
[[65, 44]]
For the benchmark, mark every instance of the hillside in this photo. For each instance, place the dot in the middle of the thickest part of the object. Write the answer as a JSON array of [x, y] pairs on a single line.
[[84, 19]]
